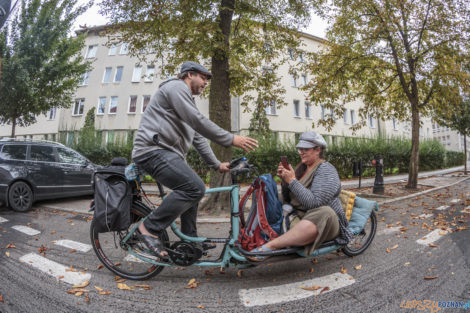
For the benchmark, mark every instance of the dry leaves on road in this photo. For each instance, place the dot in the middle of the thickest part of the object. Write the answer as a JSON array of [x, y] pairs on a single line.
[[315, 287], [10, 246], [123, 286], [84, 284], [192, 284], [343, 270], [358, 267], [431, 277], [1, 298], [146, 287], [432, 245], [200, 306], [7, 254]]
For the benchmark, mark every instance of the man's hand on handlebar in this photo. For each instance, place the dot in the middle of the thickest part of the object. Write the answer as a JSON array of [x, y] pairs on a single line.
[[246, 143], [224, 167]]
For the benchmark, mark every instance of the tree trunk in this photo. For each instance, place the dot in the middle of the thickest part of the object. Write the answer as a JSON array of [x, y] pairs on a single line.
[[414, 159], [13, 128], [465, 149], [220, 108]]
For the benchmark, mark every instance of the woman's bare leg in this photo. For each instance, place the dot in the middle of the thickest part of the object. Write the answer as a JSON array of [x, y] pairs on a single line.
[[303, 233]]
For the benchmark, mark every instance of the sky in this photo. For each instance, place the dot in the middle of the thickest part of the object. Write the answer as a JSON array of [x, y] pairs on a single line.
[[92, 17]]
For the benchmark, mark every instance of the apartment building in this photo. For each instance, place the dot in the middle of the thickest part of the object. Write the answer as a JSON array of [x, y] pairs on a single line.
[[119, 88], [450, 139]]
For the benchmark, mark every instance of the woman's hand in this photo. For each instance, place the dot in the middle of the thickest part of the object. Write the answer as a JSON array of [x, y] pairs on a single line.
[[287, 175]]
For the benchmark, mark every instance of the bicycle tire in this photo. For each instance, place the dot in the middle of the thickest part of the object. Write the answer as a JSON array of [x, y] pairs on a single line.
[[115, 256], [368, 232]]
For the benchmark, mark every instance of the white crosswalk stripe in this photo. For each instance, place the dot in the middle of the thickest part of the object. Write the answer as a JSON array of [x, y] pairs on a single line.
[[3, 220], [55, 269], [290, 292], [82, 247], [431, 237], [26, 230], [442, 207], [455, 201], [426, 215]]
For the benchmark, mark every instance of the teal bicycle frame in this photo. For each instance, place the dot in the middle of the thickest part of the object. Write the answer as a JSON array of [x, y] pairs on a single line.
[[230, 250]]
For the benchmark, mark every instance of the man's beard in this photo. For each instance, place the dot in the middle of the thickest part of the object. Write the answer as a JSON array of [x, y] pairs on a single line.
[[196, 89]]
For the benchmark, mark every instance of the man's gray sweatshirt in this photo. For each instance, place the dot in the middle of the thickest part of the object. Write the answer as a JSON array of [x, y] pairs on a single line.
[[172, 122]]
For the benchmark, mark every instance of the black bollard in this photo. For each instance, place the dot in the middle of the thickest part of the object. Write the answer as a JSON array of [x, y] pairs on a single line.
[[379, 175]]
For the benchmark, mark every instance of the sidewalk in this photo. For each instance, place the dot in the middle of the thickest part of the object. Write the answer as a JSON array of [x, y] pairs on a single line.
[[434, 179]]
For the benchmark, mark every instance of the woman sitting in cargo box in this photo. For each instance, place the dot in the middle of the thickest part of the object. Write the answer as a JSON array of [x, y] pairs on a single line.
[[312, 189]]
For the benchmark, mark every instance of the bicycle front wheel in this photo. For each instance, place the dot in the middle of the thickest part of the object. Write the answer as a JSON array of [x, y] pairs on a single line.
[[360, 242], [113, 253]]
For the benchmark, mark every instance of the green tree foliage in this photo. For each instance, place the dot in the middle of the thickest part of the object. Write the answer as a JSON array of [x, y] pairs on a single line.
[[402, 58], [458, 118], [41, 66], [235, 38]]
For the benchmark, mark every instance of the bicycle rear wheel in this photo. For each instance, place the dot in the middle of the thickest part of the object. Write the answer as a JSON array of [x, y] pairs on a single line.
[[360, 242], [114, 254]]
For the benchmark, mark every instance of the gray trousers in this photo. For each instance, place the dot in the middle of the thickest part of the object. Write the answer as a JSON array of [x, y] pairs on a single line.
[[172, 171]]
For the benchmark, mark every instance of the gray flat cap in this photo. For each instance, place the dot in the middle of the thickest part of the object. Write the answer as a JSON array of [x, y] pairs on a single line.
[[195, 67], [311, 140]]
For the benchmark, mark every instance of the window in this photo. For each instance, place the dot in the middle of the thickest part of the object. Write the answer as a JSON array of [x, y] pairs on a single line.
[[101, 106], [301, 57], [270, 107], [322, 112], [42, 153], [112, 50], [332, 114], [304, 79], [124, 48], [150, 73], [308, 113], [118, 76], [51, 114], [371, 121], [345, 117], [107, 75], [395, 124], [78, 106], [132, 104], [353, 117], [113, 105], [14, 152], [145, 102], [137, 74], [268, 49], [110, 136], [91, 53], [291, 53], [296, 108], [84, 79], [294, 80]]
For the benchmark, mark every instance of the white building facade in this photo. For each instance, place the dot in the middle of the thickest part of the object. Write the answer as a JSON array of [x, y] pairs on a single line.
[[119, 87]]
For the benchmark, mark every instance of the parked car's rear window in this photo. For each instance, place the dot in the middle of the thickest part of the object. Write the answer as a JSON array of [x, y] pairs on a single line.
[[14, 152], [42, 153]]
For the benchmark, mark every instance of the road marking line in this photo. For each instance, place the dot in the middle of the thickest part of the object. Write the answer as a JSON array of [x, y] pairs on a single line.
[[291, 292], [73, 245], [431, 237], [425, 215], [455, 201], [26, 230], [3, 220], [55, 269], [442, 207], [389, 230]]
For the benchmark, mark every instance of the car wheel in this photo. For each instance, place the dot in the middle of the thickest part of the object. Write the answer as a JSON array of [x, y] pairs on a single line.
[[20, 197]]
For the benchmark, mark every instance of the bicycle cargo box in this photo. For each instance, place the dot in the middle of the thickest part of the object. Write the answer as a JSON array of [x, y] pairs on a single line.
[[113, 199]]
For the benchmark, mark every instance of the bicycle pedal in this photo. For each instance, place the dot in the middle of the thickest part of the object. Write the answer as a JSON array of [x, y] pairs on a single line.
[[208, 246]]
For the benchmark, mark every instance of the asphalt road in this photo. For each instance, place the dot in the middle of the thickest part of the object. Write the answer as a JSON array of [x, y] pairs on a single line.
[[382, 279]]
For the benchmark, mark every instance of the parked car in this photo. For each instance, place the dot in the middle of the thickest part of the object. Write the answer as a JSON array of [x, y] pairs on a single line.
[[39, 170]]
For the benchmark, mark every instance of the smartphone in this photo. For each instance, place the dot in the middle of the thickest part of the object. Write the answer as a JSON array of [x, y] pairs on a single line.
[[284, 161]]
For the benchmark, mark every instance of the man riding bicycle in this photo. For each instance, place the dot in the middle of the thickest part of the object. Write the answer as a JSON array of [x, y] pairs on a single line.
[[170, 125]]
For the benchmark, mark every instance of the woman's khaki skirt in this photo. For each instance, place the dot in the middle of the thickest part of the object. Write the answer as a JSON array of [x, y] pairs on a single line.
[[327, 223]]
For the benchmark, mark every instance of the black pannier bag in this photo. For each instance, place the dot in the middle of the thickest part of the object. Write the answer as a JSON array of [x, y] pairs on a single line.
[[113, 200]]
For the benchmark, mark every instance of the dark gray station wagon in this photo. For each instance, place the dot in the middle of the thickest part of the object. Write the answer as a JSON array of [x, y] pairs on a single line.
[[39, 170]]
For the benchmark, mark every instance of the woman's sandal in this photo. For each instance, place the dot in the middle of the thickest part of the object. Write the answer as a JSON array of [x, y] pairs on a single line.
[[260, 258], [153, 244]]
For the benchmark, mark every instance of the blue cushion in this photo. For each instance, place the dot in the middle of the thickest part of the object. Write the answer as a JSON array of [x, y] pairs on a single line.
[[360, 213]]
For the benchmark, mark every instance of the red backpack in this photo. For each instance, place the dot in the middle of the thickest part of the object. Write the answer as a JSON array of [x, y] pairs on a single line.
[[257, 230]]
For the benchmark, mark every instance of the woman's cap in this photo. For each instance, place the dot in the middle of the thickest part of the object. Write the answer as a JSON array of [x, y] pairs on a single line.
[[311, 140]]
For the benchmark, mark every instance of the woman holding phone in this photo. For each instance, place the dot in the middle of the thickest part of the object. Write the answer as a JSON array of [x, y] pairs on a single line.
[[312, 189]]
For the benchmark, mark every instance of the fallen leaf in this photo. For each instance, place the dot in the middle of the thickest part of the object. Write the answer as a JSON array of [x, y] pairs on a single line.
[[314, 260], [358, 267], [324, 289], [200, 306], [75, 290], [10, 245], [432, 245], [407, 263], [315, 287], [239, 273], [311, 270], [87, 299], [28, 224], [1, 298], [388, 250], [78, 294], [100, 267], [61, 277], [394, 247], [192, 284], [431, 277], [7, 254], [123, 286], [146, 287], [84, 284], [343, 270], [104, 292], [73, 251], [53, 232], [98, 288]]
